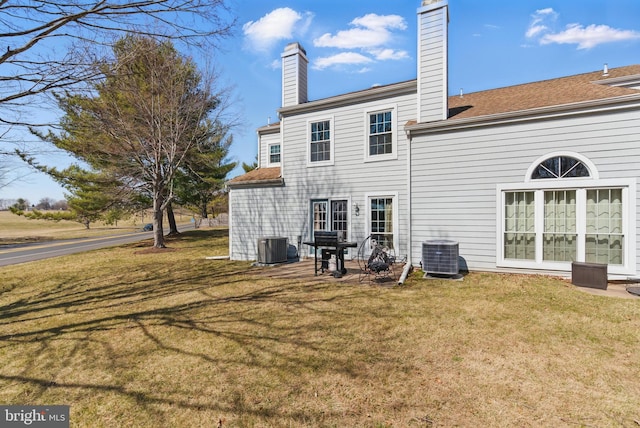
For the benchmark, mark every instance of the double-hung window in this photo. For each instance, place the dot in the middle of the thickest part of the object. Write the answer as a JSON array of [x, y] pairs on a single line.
[[274, 154], [381, 134], [565, 213], [320, 146]]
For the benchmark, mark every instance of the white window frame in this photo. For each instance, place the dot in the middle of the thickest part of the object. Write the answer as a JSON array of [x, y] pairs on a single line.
[[332, 131], [581, 186], [367, 214], [394, 132], [269, 163]]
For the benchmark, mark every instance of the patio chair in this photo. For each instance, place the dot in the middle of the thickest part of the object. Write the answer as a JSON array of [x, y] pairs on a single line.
[[376, 265]]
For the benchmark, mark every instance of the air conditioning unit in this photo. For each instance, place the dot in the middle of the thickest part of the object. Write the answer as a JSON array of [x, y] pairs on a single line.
[[440, 257], [272, 250]]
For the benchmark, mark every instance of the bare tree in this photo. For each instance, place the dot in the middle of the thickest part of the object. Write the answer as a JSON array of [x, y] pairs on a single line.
[[142, 121], [44, 44]]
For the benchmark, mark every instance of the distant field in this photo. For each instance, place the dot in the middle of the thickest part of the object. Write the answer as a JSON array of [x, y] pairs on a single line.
[[16, 229]]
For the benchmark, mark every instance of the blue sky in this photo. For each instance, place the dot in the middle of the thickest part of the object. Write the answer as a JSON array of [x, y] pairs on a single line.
[[354, 44]]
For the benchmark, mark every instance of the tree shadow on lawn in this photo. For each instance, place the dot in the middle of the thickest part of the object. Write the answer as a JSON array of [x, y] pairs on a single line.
[[214, 302]]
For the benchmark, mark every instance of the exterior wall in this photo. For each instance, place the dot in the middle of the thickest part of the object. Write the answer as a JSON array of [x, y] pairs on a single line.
[[260, 216], [285, 211], [432, 67], [265, 140], [455, 173], [294, 75]]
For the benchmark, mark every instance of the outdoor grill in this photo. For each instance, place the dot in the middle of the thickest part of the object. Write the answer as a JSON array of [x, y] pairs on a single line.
[[329, 244]]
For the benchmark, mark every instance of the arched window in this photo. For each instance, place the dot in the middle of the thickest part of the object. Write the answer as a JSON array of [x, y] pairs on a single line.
[[560, 167]]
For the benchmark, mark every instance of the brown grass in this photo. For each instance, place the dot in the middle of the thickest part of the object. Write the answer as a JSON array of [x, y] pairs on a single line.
[[17, 229], [171, 339]]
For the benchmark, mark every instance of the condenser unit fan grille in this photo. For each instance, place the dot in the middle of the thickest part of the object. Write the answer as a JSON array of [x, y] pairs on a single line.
[[272, 250], [440, 257]]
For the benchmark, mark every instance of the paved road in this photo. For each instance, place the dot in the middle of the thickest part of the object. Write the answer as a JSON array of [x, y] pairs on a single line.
[[31, 252]]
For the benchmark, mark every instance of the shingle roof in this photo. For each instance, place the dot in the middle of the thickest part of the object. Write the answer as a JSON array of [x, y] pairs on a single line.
[[258, 175], [546, 93]]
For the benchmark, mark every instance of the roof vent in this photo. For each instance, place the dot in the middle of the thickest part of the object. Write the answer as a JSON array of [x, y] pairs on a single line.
[[605, 71]]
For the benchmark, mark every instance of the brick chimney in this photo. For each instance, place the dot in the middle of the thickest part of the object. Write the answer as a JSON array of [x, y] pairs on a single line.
[[294, 75], [433, 20]]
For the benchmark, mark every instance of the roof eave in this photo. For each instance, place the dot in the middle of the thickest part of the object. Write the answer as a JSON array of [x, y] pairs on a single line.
[[269, 129], [374, 93], [275, 182]]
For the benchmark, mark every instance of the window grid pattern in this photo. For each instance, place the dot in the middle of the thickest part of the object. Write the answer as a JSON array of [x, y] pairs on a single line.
[[380, 133], [339, 217], [274, 153], [319, 216], [560, 167], [560, 230], [320, 141], [519, 227], [382, 221], [604, 235]]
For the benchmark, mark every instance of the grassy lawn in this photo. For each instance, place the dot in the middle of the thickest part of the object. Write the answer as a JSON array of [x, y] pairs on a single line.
[[132, 338]]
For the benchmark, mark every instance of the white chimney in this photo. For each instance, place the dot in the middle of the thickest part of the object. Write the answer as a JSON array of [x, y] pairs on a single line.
[[294, 75], [433, 21]]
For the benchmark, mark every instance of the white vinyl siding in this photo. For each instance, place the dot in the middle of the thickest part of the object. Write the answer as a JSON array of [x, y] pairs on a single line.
[[349, 178], [455, 175], [432, 68]]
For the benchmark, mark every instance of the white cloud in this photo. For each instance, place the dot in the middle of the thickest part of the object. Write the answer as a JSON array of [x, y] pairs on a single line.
[[540, 21], [350, 39], [279, 24], [389, 54], [590, 36], [374, 21], [370, 31], [343, 58], [370, 35], [541, 29]]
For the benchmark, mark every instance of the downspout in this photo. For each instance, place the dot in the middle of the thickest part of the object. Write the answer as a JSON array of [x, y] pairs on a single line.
[[259, 144], [231, 255], [408, 266]]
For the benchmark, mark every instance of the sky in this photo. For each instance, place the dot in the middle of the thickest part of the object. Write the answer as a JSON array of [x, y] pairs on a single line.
[[355, 44]]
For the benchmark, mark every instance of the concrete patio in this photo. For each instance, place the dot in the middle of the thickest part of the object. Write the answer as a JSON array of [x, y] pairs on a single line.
[[304, 270]]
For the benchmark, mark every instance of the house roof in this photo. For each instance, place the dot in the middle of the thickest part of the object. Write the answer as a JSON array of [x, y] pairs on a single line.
[[258, 176], [561, 91], [270, 128], [554, 92]]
